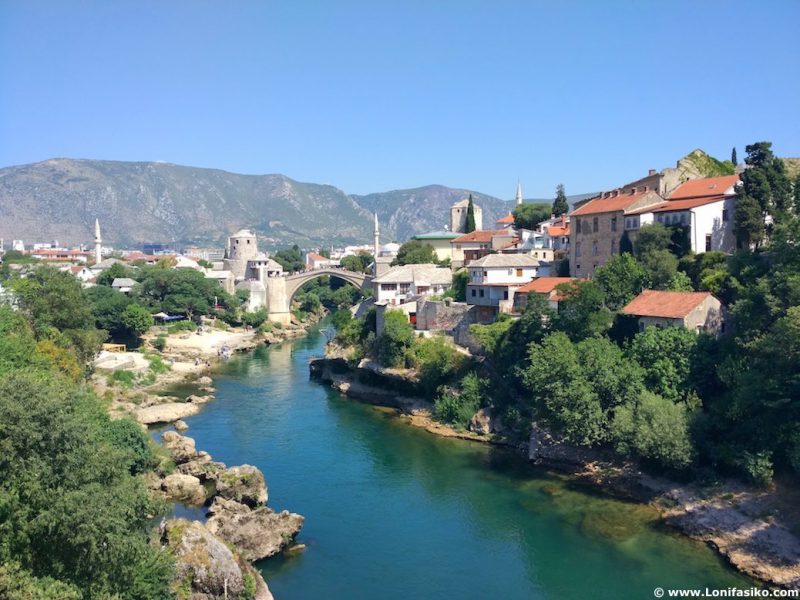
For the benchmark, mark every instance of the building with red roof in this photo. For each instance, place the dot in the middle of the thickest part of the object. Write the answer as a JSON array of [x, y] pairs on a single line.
[[545, 286], [477, 244], [696, 311]]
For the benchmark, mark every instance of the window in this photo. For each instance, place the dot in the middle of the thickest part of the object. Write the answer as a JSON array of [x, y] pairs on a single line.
[[519, 272], [405, 288], [481, 293], [594, 225], [577, 248], [510, 271], [578, 225], [388, 287], [486, 273], [613, 223], [708, 242], [505, 294], [724, 214], [473, 292], [683, 218], [458, 246], [594, 248], [613, 246]]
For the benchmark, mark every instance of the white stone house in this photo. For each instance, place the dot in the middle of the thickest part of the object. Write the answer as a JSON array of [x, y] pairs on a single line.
[[402, 283], [123, 284], [494, 279]]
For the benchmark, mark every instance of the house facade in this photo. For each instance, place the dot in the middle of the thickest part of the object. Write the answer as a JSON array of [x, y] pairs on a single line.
[[473, 246], [494, 279], [597, 227], [400, 284], [440, 240], [544, 286]]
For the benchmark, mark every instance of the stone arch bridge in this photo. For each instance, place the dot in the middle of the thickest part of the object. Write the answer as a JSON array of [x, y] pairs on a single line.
[[281, 290]]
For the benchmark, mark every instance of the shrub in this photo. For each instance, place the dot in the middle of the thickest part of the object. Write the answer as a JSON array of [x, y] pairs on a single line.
[[160, 343], [128, 437], [265, 327], [157, 364], [757, 467], [185, 325], [437, 362], [123, 378], [254, 319], [458, 407]]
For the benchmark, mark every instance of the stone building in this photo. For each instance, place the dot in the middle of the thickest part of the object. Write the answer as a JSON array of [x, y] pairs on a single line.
[[695, 311], [242, 246], [597, 227], [458, 216]]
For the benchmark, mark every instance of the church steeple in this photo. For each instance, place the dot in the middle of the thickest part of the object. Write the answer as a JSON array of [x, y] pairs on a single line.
[[518, 197], [98, 242]]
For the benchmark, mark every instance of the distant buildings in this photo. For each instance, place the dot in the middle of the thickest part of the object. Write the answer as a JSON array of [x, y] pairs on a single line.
[[545, 287], [440, 240], [493, 280], [317, 261]]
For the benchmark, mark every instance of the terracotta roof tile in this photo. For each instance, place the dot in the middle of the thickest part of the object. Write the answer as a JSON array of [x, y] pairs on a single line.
[[509, 218], [621, 201], [544, 285], [687, 203], [710, 186], [669, 305], [484, 235]]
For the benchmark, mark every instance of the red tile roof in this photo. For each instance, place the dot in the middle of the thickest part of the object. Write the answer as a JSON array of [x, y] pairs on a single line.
[[484, 235], [558, 230], [621, 201], [544, 285], [315, 256], [509, 218], [699, 188], [669, 305]]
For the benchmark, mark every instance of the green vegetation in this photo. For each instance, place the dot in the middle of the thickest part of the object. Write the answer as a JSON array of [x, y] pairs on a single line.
[[358, 263], [415, 252], [469, 226], [291, 259], [528, 216], [708, 166], [560, 204], [456, 406], [75, 511], [458, 289]]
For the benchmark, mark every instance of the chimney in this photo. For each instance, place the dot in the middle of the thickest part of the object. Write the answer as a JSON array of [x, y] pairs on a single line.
[[651, 172]]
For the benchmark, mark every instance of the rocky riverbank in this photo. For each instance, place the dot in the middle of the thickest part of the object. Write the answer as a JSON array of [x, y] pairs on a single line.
[[755, 530], [214, 556]]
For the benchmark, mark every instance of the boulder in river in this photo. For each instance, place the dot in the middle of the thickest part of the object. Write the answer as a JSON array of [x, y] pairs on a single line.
[[244, 484], [181, 448], [166, 413], [485, 422], [183, 488], [181, 425], [257, 533], [208, 567]]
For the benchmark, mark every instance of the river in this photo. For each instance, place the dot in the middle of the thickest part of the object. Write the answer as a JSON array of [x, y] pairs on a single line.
[[395, 512]]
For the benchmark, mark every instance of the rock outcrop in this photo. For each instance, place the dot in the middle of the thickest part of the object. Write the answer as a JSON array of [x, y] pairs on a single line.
[[244, 484], [208, 567], [183, 488], [257, 533], [166, 413], [485, 422]]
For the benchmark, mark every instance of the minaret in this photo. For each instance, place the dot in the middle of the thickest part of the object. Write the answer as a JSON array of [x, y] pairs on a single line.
[[518, 197], [377, 234], [97, 242]]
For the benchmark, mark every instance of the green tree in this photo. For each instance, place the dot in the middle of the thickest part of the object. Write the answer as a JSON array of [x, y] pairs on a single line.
[[652, 238], [560, 392], [582, 312], [528, 216], [396, 340], [458, 406], [469, 226], [136, 319], [107, 306], [415, 252], [115, 271], [291, 259], [654, 429], [358, 263], [666, 356], [734, 158], [560, 205], [613, 377], [178, 291], [458, 289], [622, 278], [797, 195]]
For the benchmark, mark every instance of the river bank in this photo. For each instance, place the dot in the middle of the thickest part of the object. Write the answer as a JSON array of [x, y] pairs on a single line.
[[213, 556], [755, 530]]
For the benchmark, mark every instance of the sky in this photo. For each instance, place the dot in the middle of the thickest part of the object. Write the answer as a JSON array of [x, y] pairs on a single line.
[[376, 95]]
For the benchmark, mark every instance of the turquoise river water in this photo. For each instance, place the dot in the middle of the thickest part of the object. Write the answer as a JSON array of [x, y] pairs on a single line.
[[395, 512]]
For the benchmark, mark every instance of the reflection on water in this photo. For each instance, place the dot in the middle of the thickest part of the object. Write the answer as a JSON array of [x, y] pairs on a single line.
[[394, 512]]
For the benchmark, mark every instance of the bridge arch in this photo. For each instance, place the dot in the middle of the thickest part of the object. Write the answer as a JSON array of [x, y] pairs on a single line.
[[295, 282]]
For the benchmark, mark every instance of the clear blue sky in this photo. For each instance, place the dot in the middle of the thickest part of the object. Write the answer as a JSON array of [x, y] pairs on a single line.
[[376, 95]]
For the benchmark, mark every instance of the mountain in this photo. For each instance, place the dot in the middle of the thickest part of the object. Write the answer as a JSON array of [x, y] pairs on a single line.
[[159, 202], [141, 202]]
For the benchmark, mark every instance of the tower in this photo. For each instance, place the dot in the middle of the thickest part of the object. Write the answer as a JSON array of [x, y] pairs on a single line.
[[98, 242], [377, 235], [518, 197]]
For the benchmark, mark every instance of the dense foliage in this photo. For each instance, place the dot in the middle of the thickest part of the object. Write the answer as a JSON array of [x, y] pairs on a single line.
[[528, 216], [415, 252], [560, 204], [74, 511]]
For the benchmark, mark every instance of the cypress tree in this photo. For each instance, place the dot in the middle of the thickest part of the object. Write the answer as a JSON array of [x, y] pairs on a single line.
[[469, 227], [560, 205], [733, 157]]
